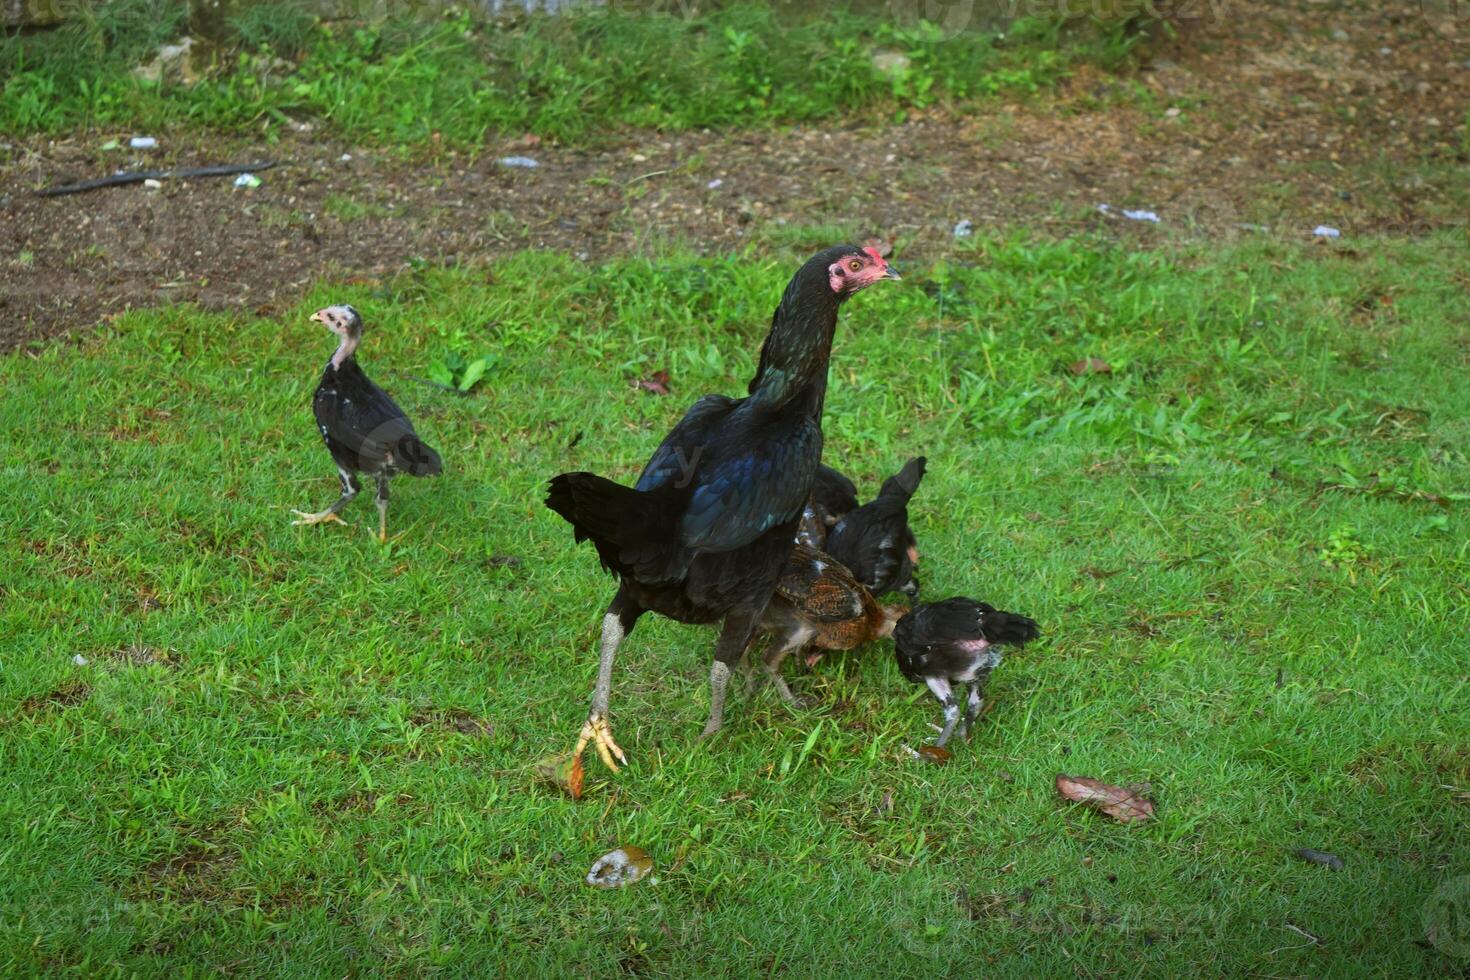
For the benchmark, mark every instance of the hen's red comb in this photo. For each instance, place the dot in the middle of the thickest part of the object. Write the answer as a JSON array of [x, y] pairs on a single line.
[[877, 257]]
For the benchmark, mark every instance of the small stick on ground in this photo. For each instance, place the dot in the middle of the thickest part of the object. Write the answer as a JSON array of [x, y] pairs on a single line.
[[138, 176]]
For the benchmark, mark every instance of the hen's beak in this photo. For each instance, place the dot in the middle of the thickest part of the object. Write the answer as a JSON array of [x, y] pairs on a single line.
[[889, 272]]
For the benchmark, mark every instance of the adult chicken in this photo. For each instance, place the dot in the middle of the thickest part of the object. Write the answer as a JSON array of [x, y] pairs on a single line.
[[364, 429], [875, 540], [705, 533], [957, 641], [820, 606]]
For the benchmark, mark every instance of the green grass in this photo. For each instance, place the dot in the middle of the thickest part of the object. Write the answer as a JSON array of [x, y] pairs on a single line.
[[408, 80], [1246, 545]]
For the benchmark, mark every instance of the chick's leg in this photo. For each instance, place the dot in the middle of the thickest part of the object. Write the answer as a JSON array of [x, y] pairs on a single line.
[[771, 665], [974, 701], [350, 488], [734, 638], [382, 507], [616, 625], [939, 687]]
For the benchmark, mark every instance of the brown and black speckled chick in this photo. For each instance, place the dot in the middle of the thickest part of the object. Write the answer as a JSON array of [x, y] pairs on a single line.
[[819, 606]]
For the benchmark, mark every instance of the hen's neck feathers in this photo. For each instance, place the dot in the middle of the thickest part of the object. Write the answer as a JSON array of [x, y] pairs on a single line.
[[794, 358]]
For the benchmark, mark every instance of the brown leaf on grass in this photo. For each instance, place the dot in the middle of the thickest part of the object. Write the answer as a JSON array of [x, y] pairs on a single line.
[[617, 869], [658, 383], [1124, 803], [883, 246], [1091, 365], [935, 755], [564, 771]]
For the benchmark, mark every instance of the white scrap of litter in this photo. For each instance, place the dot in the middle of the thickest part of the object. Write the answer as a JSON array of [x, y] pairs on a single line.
[[526, 162], [1325, 231], [142, 142], [715, 184], [79, 660], [346, 158], [1172, 112], [247, 180], [1130, 215], [964, 229], [152, 184]]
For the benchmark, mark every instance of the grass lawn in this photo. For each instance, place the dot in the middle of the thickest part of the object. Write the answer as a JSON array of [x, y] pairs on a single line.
[[295, 751], [409, 79]]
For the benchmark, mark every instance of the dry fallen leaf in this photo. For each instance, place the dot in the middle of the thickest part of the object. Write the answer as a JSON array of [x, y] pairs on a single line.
[[1091, 365], [617, 869], [658, 383], [933, 754], [563, 771], [1125, 803], [883, 245]]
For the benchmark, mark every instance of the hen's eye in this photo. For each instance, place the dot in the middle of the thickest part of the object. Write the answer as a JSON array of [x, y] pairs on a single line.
[[854, 265]]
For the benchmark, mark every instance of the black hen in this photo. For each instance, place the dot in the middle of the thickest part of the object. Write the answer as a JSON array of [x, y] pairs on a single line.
[[705, 534], [365, 431], [955, 642], [833, 495], [875, 541]]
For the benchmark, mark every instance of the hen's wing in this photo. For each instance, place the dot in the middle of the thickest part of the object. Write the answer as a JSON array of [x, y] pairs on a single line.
[[746, 486], [677, 458]]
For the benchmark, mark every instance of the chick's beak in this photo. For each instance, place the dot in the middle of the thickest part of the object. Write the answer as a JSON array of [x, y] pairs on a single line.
[[317, 317]]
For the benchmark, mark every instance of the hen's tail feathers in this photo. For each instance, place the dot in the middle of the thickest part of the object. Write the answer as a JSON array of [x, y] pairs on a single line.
[[630, 529], [1008, 627], [418, 457], [905, 481]]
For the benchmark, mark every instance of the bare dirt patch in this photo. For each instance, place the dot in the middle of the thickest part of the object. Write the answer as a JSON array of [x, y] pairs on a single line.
[[1274, 121], [68, 695], [452, 720]]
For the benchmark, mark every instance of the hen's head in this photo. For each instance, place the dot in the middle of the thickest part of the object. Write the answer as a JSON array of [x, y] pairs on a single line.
[[851, 268], [344, 321]]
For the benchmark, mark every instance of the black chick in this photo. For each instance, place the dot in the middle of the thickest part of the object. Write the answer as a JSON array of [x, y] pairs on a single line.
[[365, 431], [875, 541], [833, 495], [956, 642], [704, 535]]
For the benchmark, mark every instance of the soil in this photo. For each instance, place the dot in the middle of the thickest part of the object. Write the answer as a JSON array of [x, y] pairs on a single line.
[[1271, 120]]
